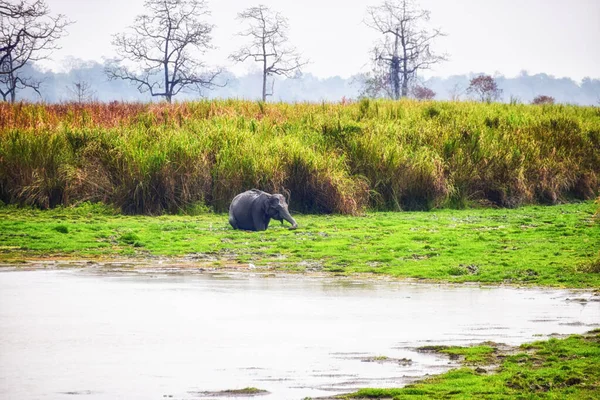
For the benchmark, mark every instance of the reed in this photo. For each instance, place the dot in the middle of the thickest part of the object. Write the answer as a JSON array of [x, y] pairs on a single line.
[[332, 158]]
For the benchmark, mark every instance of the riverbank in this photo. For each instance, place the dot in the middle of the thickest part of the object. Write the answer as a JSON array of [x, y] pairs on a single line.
[[555, 246], [567, 368]]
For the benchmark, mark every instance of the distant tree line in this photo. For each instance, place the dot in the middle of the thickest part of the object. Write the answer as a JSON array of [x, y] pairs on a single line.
[[161, 54], [58, 87]]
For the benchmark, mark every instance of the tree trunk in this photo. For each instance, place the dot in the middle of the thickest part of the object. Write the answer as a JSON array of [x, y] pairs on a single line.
[[13, 88], [395, 77], [168, 88], [396, 70], [404, 70], [405, 84], [264, 88]]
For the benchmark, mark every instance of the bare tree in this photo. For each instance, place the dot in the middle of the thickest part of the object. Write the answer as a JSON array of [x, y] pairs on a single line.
[[405, 48], [28, 33], [81, 91], [160, 46], [268, 45], [455, 92], [484, 88], [375, 83]]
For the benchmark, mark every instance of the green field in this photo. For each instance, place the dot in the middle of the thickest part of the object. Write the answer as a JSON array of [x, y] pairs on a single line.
[[535, 245]]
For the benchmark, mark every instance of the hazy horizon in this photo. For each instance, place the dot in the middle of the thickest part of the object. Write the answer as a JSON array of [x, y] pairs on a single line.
[[309, 87]]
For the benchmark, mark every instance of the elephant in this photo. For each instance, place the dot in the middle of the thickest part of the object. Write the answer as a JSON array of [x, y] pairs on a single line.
[[253, 210]]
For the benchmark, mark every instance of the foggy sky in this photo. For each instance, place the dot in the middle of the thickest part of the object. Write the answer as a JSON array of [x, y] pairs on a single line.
[[506, 36]]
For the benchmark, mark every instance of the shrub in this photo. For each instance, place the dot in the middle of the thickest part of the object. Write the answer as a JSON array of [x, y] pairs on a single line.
[[61, 229], [484, 88], [543, 99], [423, 93]]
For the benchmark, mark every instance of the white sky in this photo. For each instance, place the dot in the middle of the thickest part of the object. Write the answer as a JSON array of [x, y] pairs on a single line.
[[558, 37]]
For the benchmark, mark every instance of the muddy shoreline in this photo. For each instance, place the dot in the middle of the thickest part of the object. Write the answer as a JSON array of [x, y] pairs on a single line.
[[204, 264]]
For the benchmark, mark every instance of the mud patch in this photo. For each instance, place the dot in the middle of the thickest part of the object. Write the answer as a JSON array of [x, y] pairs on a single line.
[[577, 323], [208, 257], [463, 269], [581, 300], [79, 393], [386, 360], [232, 393], [311, 266], [373, 359]]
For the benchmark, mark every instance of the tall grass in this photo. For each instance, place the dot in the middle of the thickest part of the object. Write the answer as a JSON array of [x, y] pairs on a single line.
[[332, 158]]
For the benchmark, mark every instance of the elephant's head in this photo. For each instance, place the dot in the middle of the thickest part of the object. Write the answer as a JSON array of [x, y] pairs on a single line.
[[276, 207]]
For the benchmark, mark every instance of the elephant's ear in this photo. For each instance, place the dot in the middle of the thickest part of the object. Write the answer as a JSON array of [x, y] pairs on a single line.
[[274, 200], [281, 199], [270, 202]]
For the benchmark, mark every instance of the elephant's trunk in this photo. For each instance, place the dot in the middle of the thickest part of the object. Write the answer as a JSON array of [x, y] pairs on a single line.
[[286, 215]]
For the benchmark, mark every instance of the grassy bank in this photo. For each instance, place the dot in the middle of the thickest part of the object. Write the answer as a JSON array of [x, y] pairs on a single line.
[[537, 245], [555, 369], [333, 158]]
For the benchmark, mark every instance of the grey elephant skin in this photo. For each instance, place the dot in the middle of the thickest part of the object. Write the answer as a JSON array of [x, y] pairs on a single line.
[[254, 209]]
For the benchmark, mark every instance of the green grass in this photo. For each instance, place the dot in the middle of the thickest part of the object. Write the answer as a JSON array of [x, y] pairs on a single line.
[[534, 245], [235, 393], [471, 355], [245, 391], [554, 369]]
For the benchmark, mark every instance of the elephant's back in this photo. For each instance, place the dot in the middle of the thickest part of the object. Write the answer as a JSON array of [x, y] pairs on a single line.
[[243, 201]]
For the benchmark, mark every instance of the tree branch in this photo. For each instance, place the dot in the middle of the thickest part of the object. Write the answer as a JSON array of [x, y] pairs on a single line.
[[28, 33]]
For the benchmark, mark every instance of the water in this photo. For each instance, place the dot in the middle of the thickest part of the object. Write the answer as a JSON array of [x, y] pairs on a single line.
[[144, 335]]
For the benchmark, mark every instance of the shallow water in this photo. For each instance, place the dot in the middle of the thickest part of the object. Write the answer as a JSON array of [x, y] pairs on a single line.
[[146, 335]]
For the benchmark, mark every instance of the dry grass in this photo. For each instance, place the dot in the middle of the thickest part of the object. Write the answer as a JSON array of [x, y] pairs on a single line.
[[333, 158]]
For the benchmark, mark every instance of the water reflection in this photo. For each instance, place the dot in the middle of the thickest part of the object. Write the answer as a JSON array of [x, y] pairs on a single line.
[[143, 334]]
